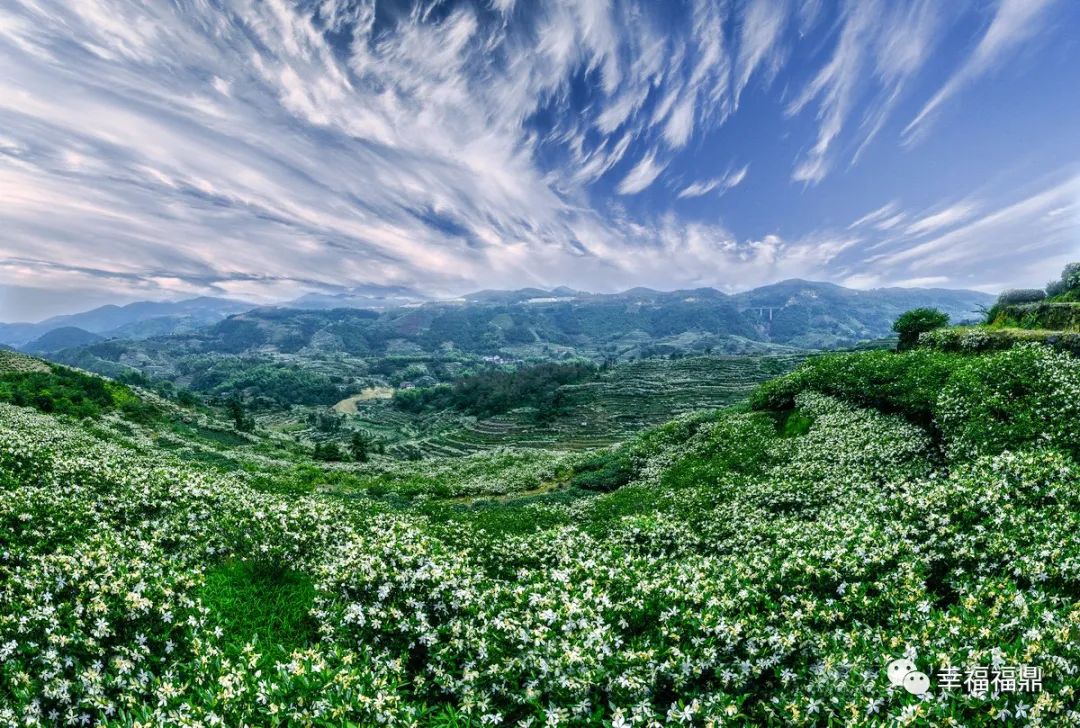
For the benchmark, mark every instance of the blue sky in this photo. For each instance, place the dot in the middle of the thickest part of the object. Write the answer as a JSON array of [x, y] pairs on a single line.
[[262, 148]]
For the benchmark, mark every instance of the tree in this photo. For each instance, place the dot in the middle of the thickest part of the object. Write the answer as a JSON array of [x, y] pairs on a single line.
[[362, 445], [1069, 281], [327, 452], [235, 409], [915, 322]]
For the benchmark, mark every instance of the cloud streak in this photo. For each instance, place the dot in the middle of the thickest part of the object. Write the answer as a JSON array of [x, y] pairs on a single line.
[[259, 149], [1015, 21], [731, 179]]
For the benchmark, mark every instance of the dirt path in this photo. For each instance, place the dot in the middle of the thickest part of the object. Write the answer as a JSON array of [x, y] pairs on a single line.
[[348, 406]]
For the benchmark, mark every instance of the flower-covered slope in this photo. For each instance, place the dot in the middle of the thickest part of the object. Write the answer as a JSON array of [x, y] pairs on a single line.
[[760, 567]]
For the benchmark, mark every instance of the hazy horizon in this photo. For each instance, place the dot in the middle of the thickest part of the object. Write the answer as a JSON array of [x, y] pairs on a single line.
[[259, 151], [57, 305]]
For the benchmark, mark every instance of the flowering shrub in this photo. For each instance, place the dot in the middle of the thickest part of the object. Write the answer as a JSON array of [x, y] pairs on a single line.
[[1028, 396], [970, 340], [907, 383], [748, 574]]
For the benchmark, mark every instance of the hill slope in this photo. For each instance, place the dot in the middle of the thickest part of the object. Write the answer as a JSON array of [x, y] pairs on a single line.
[[755, 567], [64, 337]]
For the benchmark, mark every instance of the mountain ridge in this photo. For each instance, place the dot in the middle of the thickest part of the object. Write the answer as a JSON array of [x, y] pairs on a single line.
[[788, 316], [112, 319]]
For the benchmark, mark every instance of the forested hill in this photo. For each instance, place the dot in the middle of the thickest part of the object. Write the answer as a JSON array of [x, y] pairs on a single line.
[[533, 322]]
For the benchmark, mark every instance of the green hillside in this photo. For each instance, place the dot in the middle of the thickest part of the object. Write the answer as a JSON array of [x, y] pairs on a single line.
[[1048, 316], [606, 407], [755, 565]]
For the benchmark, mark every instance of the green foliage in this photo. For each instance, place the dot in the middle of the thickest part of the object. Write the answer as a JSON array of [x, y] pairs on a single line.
[[984, 339], [262, 602], [275, 383], [496, 392], [362, 444], [327, 452], [743, 444], [327, 423], [1025, 397], [1015, 296], [905, 383], [241, 420], [1057, 315], [795, 424], [604, 471], [756, 567], [915, 322], [1067, 287], [66, 391], [424, 399]]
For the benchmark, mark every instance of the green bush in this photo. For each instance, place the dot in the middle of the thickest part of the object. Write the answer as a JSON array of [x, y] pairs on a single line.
[[64, 391], [495, 392], [904, 383], [1015, 296], [1027, 396], [1067, 287], [327, 452], [986, 339], [604, 471], [915, 322], [737, 443]]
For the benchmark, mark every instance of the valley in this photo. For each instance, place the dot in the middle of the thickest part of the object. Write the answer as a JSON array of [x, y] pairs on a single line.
[[465, 538], [573, 364]]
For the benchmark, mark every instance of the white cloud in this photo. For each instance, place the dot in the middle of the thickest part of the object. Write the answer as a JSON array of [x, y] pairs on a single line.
[[1022, 230], [680, 124], [942, 219], [725, 183], [642, 175], [892, 39], [759, 35], [698, 189], [1015, 21], [834, 85], [261, 149], [889, 209], [924, 282]]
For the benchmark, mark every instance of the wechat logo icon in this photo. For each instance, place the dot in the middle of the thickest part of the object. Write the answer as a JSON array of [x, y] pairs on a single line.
[[904, 673]]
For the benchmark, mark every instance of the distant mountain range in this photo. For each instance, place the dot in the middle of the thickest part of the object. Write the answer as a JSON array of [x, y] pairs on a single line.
[[133, 321], [534, 322], [145, 319]]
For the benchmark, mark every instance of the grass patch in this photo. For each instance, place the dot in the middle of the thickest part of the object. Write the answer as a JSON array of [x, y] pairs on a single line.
[[265, 602], [795, 424]]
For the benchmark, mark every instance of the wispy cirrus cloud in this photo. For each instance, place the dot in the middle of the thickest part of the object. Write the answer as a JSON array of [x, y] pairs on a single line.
[[1014, 22], [642, 175], [724, 183], [1040, 225], [891, 40], [259, 149], [947, 217]]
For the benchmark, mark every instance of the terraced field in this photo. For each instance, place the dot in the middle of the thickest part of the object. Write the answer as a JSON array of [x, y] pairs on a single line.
[[619, 402], [349, 404]]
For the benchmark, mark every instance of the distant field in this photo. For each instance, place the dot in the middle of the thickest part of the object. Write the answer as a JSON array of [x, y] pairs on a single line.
[[348, 405], [619, 402]]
